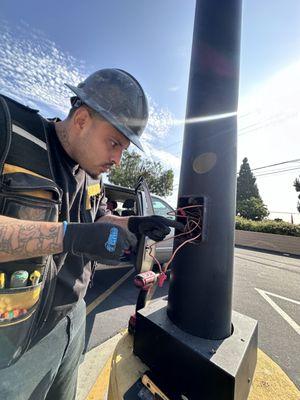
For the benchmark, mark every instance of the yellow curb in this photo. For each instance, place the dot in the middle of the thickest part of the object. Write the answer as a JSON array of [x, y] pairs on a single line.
[[99, 390], [126, 368], [123, 369], [270, 382]]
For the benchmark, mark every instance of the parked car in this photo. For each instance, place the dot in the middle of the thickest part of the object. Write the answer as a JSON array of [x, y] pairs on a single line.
[[139, 201]]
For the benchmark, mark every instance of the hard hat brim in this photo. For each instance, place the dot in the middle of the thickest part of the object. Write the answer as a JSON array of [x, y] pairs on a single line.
[[127, 132]]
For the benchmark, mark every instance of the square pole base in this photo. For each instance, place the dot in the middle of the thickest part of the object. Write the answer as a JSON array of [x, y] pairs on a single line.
[[192, 368]]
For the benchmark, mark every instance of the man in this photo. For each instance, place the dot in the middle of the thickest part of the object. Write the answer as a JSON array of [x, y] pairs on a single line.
[[108, 112], [112, 205]]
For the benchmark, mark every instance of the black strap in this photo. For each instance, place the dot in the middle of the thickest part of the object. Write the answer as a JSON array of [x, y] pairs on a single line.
[[23, 133], [5, 132]]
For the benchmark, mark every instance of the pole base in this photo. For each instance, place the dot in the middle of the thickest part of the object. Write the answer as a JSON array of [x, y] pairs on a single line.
[[193, 368]]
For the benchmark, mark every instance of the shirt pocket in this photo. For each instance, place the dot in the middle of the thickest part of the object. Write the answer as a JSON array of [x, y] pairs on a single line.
[[29, 197]]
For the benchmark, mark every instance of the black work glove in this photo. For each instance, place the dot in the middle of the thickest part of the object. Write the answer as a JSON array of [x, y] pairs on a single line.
[[97, 241], [154, 226]]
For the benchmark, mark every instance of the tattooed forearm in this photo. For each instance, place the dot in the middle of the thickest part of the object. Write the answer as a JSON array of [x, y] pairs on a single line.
[[25, 239]]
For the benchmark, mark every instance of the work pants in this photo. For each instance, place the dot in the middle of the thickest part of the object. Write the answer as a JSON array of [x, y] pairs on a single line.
[[48, 371]]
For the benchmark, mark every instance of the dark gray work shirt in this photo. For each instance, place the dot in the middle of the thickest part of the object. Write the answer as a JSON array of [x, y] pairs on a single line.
[[74, 271]]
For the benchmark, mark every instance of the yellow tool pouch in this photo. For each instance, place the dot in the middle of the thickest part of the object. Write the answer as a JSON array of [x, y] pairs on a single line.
[[27, 192], [18, 308]]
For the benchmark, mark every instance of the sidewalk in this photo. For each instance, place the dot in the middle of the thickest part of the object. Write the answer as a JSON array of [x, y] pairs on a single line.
[[93, 366], [114, 360]]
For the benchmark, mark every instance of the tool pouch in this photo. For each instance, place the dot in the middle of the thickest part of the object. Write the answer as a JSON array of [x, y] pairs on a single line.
[[27, 195], [24, 310], [22, 315]]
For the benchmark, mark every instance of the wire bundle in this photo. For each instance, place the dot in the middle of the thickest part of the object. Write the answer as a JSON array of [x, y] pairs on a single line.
[[192, 231]]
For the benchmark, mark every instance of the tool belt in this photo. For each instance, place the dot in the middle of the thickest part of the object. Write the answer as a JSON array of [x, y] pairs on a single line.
[[27, 192]]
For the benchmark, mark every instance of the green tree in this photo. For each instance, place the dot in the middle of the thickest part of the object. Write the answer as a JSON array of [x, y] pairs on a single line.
[[253, 208], [248, 201], [132, 166], [246, 183], [297, 188]]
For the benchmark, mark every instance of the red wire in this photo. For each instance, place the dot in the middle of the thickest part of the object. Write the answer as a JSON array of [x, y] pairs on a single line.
[[179, 247], [163, 270]]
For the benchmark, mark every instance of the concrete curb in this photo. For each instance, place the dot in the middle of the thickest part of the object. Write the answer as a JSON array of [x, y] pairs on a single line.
[[93, 365], [119, 368], [270, 382]]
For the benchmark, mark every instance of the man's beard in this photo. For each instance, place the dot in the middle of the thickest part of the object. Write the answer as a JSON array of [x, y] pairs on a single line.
[[94, 176]]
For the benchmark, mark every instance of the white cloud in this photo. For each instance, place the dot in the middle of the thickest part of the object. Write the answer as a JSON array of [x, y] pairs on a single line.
[[34, 70], [160, 122]]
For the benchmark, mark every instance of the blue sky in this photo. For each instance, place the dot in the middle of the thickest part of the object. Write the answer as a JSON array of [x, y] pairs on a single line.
[[45, 44]]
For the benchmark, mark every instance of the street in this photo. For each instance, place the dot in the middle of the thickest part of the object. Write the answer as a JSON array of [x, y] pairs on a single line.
[[266, 288]]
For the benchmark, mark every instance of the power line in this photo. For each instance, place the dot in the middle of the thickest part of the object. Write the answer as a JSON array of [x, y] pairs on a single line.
[[267, 173], [275, 119], [244, 130], [278, 171], [273, 165], [283, 212]]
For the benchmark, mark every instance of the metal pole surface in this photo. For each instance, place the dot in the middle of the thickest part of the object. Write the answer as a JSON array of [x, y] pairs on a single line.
[[200, 294]]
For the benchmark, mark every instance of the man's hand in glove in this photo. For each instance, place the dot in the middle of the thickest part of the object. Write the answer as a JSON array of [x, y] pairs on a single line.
[[154, 226], [97, 241]]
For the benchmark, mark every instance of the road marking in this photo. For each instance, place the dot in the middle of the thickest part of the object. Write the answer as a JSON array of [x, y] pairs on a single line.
[[280, 311], [99, 390], [107, 293], [281, 297]]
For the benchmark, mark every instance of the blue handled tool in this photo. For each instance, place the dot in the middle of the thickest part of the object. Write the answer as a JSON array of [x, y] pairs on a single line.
[[19, 279]]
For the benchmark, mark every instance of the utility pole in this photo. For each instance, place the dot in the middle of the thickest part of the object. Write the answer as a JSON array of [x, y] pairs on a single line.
[[194, 345]]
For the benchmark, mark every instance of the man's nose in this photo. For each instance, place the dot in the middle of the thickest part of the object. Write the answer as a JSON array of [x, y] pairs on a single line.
[[116, 159]]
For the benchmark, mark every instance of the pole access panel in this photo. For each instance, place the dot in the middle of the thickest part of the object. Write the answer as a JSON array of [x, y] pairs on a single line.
[[193, 343]]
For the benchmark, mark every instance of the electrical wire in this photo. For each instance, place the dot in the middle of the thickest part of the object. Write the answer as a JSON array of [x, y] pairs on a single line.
[[273, 165], [266, 173], [245, 129], [187, 231], [197, 225], [278, 171]]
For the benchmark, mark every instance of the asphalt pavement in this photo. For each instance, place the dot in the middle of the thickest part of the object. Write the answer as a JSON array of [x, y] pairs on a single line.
[[266, 288]]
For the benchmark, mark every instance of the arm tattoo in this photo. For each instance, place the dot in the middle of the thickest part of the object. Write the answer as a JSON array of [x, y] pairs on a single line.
[[29, 239]]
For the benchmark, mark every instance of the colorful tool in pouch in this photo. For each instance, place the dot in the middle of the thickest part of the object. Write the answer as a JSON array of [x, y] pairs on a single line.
[[2, 280], [19, 279], [8, 315], [35, 277]]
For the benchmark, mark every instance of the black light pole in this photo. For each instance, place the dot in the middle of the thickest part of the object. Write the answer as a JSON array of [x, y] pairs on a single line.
[[201, 284], [194, 344]]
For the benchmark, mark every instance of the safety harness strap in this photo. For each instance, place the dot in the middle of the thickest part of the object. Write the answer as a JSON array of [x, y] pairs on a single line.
[[23, 138]]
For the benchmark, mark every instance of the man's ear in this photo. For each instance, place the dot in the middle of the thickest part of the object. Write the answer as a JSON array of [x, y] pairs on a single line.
[[81, 118]]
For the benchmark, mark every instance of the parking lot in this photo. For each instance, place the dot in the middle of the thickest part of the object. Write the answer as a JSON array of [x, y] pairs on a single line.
[[266, 287]]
